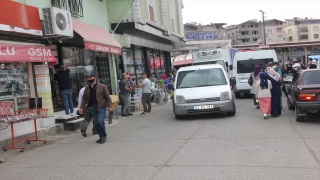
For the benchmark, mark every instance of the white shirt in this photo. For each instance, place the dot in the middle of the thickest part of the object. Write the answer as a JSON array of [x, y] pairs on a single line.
[[80, 95], [147, 85]]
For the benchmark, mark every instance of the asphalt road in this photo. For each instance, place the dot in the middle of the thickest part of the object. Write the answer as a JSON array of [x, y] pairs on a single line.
[[159, 147]]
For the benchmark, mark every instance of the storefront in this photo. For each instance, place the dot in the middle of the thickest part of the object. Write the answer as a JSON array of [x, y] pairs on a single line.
[[149, 52], [92, 50]]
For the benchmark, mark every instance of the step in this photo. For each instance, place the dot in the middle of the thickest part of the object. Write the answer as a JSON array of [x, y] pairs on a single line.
[[63, 119], [73, 125]]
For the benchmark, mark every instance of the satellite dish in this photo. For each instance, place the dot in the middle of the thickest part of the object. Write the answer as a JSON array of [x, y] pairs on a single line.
[[259, 41]]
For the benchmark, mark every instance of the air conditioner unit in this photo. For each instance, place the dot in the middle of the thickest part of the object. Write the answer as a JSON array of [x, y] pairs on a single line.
[[57, 22]]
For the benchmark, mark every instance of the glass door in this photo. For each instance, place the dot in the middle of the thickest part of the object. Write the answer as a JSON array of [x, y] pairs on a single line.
[[139, 64]]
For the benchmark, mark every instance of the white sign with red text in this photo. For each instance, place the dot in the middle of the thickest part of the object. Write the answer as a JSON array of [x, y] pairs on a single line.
[[6, 108]]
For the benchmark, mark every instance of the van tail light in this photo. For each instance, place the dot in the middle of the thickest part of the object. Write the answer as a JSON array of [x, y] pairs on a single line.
[[307, 97]]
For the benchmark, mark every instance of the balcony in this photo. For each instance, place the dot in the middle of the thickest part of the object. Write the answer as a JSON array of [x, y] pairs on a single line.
[[74, 6], [249, 36]]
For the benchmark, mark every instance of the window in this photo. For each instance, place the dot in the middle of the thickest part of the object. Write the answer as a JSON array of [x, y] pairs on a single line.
[[270, 38], [152, 15], [303, 29], [316, 36], [251, 25], [290, 31], [308, 78], [201, 78], [255, 32], [269, 31], [243, 26], [315, 28], [279, 30], [74, 6], [247, 66], [290, 38], [303, 37], [173, 29], [280, 38]]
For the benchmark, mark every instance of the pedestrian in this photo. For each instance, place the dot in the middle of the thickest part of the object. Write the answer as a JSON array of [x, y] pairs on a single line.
[[146, 94], [133, 88], [87, 115], [263, 94], [125, 95], [313, 65], [255, 75], [274, 77], [301, 64], [62, 77], [97, 97], [289, 69]]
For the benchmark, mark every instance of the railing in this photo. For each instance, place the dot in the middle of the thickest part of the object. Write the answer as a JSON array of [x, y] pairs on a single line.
[[74, 6]]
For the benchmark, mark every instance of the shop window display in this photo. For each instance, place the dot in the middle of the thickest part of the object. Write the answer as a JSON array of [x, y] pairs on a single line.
[[139, 63], [14, 84]]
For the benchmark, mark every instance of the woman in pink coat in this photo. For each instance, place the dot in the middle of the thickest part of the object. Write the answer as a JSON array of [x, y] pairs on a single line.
[[263, 94]]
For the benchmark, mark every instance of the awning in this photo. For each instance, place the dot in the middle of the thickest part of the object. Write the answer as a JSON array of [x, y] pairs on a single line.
[[96, 38], [16, 53]]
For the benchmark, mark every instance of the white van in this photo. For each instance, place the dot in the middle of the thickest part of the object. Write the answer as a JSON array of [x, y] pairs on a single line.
[[243, 66], [202, 89]]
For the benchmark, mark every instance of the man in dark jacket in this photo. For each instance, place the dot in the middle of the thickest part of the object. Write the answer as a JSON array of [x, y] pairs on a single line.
[[98, 98]]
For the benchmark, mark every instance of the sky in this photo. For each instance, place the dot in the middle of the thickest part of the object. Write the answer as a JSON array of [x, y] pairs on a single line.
[[239, 11]]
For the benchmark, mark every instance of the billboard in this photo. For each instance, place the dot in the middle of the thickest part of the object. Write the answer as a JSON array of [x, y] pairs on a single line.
[[201, 35]]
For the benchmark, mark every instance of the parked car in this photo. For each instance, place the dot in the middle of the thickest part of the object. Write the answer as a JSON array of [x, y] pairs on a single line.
[[202, 89], [304, 93]]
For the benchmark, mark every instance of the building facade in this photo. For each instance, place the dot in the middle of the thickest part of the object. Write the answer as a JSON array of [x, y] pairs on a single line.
[[301, 30], [155, 30], [274, 32]]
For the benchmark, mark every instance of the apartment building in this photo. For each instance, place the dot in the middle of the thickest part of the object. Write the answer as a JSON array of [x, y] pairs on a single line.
[[205, 37], [274, 32], [249, 32], [301, 30]]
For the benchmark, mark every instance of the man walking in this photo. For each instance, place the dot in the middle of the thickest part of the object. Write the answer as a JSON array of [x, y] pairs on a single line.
[[62, 77], [146, 94], [125, 95], [87, 115], [98, 98]]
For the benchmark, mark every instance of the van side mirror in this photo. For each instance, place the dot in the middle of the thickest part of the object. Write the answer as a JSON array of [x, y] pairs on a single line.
[[230, 67], [233, 82], [170, 86]]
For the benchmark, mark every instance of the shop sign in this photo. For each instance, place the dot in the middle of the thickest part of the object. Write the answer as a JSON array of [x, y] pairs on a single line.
[[6, 108], [44, 87], [19, 18], [264, 46], [102, 48], [11, 53], [206, 35], [315, 49]]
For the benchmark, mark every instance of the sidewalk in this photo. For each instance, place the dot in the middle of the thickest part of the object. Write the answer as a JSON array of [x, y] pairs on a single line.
[[56, 133]]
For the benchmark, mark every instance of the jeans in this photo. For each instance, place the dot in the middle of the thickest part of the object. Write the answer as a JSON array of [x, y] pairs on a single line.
[[125, 104], [66, 96], [146, 101], [87, 119], [98, 119]]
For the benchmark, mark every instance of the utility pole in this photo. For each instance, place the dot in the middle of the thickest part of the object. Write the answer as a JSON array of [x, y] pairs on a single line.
[[264, 28]]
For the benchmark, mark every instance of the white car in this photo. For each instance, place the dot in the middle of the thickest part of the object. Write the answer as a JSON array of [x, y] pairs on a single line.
[[202, 89]]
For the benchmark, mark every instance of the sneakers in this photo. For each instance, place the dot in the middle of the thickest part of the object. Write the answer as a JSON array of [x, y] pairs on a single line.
[[265, 116], [144, 113], [72, 114]]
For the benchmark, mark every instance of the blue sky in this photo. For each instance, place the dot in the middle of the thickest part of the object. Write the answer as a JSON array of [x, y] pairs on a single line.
[[238, 11]]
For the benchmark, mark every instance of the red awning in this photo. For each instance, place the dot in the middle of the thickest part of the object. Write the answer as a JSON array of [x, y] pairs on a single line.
[[16, 53], [96, 38]]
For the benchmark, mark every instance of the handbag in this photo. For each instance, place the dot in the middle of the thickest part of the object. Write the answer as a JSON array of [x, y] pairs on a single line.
[[250, 81]]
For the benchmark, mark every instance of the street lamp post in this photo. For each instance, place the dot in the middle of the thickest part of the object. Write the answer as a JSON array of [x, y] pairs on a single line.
[[264, 28]]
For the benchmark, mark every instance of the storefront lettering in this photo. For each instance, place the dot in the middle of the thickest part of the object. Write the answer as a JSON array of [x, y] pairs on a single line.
[[39, 52], [114, 50], [102, 48], [6, 51]]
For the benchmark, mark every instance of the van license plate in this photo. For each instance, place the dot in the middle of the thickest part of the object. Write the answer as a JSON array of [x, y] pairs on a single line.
[[204, 107]]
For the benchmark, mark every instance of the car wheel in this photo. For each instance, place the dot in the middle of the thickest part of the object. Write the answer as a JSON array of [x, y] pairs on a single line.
[[232, 113], [177, 117], [298, 118], [290, 105], [237, 95]]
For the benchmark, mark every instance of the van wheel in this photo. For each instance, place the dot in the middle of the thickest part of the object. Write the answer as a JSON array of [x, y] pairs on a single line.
[[290, 105], [237, 95]]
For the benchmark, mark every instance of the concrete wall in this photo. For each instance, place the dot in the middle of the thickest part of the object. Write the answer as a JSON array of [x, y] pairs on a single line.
[[94, 12]]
